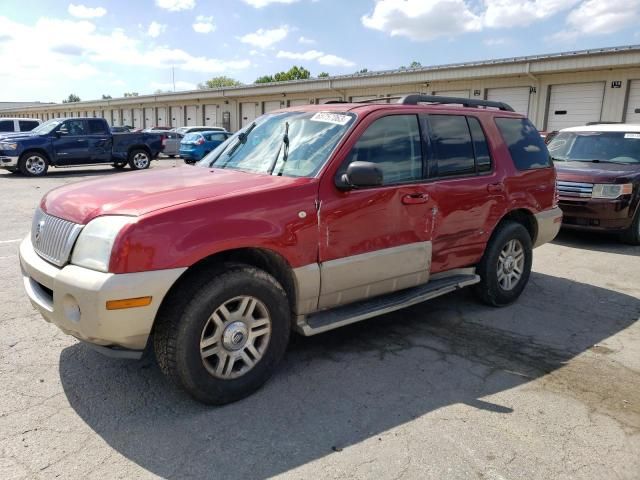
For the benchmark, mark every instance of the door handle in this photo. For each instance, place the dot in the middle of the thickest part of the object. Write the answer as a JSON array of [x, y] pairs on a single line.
[[415, 198], [81, 140], [495, 188]]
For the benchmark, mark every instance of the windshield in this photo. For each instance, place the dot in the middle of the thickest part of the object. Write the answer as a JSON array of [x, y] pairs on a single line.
[[610, 147], [47, 126], [292, 144]]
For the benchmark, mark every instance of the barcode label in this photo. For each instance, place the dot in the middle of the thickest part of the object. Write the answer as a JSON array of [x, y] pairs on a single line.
[[328, 117]]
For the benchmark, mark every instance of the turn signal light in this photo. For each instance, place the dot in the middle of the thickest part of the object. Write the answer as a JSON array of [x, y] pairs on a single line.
[[128, 303]]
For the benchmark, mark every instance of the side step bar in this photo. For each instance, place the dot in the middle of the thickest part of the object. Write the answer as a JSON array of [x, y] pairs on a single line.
[[337, 317]]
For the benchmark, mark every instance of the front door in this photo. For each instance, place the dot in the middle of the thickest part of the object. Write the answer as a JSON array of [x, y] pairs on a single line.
[[377, 240], [70, 142]]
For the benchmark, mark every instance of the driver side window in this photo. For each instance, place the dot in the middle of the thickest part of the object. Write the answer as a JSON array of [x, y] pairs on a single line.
[[393, 144], [74, 127]]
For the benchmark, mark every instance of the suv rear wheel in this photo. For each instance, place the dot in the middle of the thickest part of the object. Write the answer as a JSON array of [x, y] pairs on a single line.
[[227, 340], [505, 266], [139, 159]]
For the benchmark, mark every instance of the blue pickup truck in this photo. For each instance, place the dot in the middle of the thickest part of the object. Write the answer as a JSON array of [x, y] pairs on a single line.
[[65, 142]]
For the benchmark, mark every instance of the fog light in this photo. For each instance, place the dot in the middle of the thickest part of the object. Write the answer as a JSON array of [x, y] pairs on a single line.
[[71, 308]]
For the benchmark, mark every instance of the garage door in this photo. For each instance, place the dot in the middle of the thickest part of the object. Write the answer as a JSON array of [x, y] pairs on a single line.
[[298, 102], [210, 115], [248, 113], [177, 119], [271, 106], [517, 97], [149, 117], [453, 93], [192, 115], [126, 117], [137, 117], [575, 104], [633, 104], [163, 118]]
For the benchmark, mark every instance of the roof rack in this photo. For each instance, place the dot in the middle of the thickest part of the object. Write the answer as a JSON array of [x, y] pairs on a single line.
[[466, 102]]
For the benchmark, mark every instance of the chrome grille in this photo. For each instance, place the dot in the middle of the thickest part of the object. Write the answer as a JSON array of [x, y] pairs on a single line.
[[53, 237], [575, 189]]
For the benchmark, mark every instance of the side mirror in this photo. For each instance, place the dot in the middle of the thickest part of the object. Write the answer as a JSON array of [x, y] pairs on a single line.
[[62, 131], [361, 174]]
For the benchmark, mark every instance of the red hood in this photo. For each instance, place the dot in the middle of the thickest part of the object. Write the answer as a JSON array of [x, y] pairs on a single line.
[[137, 193], [590, 172]]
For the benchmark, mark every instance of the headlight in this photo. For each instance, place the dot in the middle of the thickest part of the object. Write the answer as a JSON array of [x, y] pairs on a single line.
[[8, 146], [611, 190], [93, 247]]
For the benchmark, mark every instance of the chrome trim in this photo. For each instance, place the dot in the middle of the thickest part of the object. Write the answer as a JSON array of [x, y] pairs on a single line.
[[53, 238], [8, 161], [575, 189]]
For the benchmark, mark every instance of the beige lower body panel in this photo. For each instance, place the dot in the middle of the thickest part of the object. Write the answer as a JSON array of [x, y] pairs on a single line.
[[78, 303], [549, 222]]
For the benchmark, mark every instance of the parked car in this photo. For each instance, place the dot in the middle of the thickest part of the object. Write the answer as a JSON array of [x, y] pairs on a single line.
[[171, 143], [308, 219], [9, 125], [599, 178], [184, 130], [117, 129], [76, 141], [194, 146], [159, 129]]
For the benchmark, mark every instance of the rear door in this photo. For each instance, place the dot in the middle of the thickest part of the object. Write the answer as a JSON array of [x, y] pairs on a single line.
[[376, 240], [71, 144], [99, 141]]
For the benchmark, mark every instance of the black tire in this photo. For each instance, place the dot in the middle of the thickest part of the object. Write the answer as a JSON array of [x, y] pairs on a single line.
[[632, 235], [183, 322], [189, 162], [172, 156], [120, 165], [139, 159], [33, 164], [490, 290]]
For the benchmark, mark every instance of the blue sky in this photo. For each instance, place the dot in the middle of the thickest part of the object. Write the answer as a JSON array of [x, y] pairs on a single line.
[[50, 48]]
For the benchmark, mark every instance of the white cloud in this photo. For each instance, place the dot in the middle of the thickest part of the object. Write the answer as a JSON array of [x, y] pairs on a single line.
[[265, 3], [492, 42], [262, 38], [176, 5], [180, 85], [204, 24], [156, 29], [514, 13], [598, 17], [306, 41], [81, 11], [320, 57]]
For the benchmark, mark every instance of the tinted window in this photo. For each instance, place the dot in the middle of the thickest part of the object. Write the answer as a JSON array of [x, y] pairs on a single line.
[[480, 147], [393, 143], [525, 144], [451, 145], [216, 137], [6, 125], [97, 126], [27, 125], [74, 127]]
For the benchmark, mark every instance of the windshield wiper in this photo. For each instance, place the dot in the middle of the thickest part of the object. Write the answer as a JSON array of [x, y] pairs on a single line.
[[242, 139], [285, 153]]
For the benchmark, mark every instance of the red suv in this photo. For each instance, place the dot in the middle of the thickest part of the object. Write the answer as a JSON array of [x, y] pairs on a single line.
[[309, 218]]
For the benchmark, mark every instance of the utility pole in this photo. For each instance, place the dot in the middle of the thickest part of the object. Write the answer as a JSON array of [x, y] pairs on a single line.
[[173, 77]]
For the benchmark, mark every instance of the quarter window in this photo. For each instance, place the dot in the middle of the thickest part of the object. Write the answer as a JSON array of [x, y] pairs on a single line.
[[526, 146], [450, 141], [393, 144]]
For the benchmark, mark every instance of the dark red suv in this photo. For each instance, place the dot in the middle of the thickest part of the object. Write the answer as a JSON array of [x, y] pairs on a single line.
[[309, 218]]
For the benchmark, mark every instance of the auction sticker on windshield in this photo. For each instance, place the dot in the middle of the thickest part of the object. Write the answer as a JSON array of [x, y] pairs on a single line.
[[328, 117], [632, 135]]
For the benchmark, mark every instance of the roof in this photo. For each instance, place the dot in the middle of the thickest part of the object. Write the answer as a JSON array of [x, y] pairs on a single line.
[[605, 127]]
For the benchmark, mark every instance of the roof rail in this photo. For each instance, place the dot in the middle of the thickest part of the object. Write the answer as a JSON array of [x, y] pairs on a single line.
[[466, 102]]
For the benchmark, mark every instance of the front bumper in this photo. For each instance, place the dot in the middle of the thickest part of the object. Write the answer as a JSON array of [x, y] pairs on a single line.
[[74, 299], [8, 161], [548, 223], [597, 214]]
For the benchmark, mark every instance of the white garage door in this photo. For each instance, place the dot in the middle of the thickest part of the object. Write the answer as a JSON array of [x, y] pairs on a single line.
[[271, 106], [163, 117], [633, 104], [328, 99], [298, 102], [192, 115], [453, 93], [149, 117], [126, 117], [210, 115], [248, 113], [137, 117], [517, 97], [177, 119], [574, 105]]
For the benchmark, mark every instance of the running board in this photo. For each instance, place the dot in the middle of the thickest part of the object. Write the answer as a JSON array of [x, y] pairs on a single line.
[[340, 316]]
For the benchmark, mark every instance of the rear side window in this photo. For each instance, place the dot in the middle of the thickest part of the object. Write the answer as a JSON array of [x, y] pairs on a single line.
[[480, 147], [451, 146], [216, 137], [97, 127], [6, 125], [526, 146], [27, 125]]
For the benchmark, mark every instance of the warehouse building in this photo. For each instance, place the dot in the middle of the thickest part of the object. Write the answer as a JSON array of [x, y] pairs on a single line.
[[554, 90]]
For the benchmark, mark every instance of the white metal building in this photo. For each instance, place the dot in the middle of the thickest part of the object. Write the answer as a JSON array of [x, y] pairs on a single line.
[[554, 90]]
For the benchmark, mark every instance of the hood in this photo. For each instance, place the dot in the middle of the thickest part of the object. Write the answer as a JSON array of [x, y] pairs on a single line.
[[138, 193], [590, 172], [17, 135]]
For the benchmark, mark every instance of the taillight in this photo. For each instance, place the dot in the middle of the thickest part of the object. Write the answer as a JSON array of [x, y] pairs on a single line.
[[200, 141], [556, 194], [164, 141]]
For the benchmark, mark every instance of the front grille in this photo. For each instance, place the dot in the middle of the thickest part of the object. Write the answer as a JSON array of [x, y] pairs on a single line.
[[575, 189], [53, 237]]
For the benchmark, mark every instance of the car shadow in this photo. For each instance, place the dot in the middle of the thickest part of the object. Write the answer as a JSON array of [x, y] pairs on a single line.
[[596, 241], [343, 387]]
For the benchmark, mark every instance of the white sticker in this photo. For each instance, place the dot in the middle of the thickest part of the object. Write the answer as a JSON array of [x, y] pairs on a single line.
[[329, 117], [632, 135]]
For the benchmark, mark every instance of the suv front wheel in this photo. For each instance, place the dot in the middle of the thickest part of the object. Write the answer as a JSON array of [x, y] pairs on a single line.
[[228, 339], [506, 265]]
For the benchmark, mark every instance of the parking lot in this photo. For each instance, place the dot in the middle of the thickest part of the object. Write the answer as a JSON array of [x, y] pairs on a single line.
[[546, 388]]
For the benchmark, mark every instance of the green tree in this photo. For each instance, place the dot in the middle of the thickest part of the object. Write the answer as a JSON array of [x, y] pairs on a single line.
[[130, 94], [413, 64], [106, 97], [265, 79], [323, 75], [72, 98], [294, 73], [219, 82]]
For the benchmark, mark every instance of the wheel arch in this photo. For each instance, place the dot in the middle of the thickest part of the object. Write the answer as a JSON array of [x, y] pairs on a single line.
[[140, 147], [522, 216], [39, 150]]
